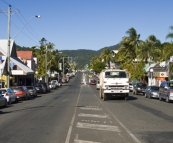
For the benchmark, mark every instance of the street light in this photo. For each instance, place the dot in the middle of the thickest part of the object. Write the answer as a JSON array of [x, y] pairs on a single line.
[[8, 44], [151, 73]]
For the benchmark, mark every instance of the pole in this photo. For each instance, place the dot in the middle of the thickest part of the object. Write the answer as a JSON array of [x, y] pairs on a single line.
[[8, 49], [63, 68], [46, 64]]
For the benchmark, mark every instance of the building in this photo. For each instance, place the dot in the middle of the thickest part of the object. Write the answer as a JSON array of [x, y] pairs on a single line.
[[20, 73]]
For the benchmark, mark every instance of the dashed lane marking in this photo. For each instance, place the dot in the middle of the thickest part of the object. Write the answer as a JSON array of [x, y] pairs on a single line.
[[82, 141], [98, 127], [93, 115], [85, 108]]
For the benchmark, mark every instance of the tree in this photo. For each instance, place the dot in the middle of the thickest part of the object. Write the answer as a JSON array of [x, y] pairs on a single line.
[[170, 35], [106, 56]]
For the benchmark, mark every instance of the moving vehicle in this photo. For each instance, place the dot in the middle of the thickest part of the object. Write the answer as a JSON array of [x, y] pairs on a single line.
[[152, 92], [114, 82], [166, 91], [93, 82], [98, 85], [8, 94], [139, 88]]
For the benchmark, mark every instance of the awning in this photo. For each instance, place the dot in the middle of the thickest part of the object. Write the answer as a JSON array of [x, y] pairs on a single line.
[[24, 70]]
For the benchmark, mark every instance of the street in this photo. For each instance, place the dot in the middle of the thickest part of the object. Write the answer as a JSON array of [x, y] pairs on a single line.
[[74, 113]]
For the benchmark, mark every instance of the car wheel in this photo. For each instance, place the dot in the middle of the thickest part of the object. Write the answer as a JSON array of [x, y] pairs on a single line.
[[6, 104], [26, 97], [167, 99], [145, 95]]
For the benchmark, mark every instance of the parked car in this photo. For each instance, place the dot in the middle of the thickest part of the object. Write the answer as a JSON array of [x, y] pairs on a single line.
[[98, 85], [166, 91], [21, 92], [152, 92], [3, 101], [9, 95], [40, 88], [55, 83], [46, 86], [32, 91], [139, 88], [130, 87]]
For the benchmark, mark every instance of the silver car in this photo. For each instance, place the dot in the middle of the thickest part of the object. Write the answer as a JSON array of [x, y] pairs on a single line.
[[152, 92], [3, 101]]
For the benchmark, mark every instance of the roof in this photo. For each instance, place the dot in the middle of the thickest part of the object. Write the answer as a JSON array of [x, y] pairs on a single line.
[[24, 54], [20, 64], [4, 44]]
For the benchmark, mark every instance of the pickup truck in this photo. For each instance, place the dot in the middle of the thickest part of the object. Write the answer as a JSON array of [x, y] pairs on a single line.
[[139, 88]]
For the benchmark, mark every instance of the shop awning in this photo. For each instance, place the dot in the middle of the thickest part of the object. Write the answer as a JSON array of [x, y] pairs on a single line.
[[24, 70]]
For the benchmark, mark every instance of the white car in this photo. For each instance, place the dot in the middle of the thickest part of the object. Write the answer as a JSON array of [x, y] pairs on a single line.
[[130, 86], [9, 95], [98, 85]]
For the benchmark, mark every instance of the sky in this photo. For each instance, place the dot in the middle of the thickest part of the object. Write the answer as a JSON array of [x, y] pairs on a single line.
[[84, 24]]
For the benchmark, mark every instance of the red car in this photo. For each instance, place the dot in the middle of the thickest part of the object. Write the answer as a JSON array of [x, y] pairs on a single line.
[[21, 92], [93, 82]]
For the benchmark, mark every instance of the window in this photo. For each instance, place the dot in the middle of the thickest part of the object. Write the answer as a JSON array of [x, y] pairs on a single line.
[[115, 74]]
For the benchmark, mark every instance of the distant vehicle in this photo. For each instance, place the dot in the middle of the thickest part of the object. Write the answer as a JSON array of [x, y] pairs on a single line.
[[21, 92], [40, 88], [139, 88], [166, 91], [152, 92], [93, 82], [3, 101], [9, 95], [32, 91], [46, 86]]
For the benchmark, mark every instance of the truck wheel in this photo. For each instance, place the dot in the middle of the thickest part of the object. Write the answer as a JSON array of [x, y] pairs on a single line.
[[126, 97], [104, 97], [101, 94]]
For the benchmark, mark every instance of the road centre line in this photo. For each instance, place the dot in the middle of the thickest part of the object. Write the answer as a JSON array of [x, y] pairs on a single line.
[[98, 127], [122, 125], [72, 121], [93, 115], [82, 141], [85, 108]]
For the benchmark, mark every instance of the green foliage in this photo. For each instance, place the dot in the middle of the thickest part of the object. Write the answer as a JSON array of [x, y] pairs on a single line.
[[99, 66]]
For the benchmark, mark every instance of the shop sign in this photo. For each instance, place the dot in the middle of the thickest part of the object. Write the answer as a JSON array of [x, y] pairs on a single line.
[[17, 72]]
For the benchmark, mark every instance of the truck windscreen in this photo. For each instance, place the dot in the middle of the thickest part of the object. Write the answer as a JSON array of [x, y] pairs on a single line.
[[115, 74]]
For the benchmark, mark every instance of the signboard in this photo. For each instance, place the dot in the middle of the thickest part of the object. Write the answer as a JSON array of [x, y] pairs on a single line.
[[160, 74], [17, 72]]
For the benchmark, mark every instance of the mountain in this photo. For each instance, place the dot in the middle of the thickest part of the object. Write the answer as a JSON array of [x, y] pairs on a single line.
[[83, 56]]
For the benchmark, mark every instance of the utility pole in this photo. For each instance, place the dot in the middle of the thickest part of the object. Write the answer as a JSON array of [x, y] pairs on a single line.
[[8, 45], [46, 65]]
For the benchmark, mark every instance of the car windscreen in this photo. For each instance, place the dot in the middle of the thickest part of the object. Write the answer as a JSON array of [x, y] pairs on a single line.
[[154, 88], [16, 89], [2, 91], [29, 87], [115, 74]]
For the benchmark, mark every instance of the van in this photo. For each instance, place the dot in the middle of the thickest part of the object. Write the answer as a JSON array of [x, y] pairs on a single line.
[[166, 91]]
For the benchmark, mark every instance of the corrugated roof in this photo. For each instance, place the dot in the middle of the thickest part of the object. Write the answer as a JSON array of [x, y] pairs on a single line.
[[24, 54]]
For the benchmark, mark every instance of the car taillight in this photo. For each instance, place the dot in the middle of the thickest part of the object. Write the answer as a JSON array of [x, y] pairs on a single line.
[[6, 94]]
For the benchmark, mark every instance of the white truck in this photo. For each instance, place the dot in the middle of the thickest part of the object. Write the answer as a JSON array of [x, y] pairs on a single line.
[[114, 82]]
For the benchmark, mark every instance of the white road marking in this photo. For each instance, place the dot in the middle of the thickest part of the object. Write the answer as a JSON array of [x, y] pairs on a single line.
[[85, 108], [93, 115], [98, 127], [72, 121], [82, 141], [122, 125]]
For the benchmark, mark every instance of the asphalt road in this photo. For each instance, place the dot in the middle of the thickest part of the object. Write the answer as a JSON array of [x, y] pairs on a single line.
[[74, 113]]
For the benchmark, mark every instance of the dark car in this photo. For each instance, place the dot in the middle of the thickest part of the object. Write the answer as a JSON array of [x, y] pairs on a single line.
[[152, 92], [3, 101], [46, 86], [21, 92], [139, 88], [32, 90], [40, 88]]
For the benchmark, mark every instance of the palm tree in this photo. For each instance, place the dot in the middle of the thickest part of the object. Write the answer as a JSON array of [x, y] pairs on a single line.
[[106, 56], [170, 35], [150, 50]]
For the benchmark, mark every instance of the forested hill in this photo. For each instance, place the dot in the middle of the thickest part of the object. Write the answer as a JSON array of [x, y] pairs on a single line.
[[83, 56]]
